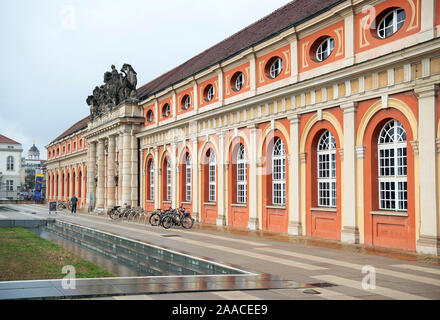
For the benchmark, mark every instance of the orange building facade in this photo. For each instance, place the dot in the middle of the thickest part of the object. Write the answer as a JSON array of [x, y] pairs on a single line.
[[67, 165], [327, 127]]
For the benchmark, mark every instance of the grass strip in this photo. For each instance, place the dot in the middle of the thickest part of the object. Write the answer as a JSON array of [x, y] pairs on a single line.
[[26, 256]]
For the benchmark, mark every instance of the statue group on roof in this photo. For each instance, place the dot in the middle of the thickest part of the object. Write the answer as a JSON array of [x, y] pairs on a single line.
[[117, 88]]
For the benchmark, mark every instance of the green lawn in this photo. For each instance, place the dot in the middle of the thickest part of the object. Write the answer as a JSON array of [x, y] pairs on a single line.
[[26, 256]]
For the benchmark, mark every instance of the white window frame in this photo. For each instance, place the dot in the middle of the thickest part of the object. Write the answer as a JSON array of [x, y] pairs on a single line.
[[166, 110], [212, 176], [241, 175], [9, 185], [326, 167], [151, 170], [151, 117], [279, 173], [187, 102], [276, 68], [168, 179], [10, 163], [239, 82], [188, 178], [211, 93], [395, 23], [323, 53], [392, 168]]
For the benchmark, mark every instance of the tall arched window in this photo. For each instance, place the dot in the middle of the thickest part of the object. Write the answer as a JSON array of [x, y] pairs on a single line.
[[10, 163], [279, 173], [168, 179], [327, 170], [241, 175], [212, 176], [151, 171], [188, 178], [392, 167]]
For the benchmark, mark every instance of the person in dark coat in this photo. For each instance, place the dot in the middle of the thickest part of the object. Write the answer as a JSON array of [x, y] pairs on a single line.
[[74, 201]]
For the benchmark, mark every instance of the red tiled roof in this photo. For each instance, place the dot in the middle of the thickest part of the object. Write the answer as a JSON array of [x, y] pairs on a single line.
[[285, 17], [4, 139], [81, 124]]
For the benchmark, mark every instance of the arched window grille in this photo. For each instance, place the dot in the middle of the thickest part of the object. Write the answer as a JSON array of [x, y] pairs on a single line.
[[327, 170], [151, 170], [168, 179], [392, 167], [188, 177], [279, 173], [241, 175], [212, 176]]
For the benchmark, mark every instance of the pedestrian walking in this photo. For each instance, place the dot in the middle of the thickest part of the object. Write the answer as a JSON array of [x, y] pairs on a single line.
[[74, 201]]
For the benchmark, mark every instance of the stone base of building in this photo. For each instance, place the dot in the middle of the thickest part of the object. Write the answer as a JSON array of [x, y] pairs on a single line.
[[253, 224], [428, 245], [350, 235], [221, 220], [294, 228]]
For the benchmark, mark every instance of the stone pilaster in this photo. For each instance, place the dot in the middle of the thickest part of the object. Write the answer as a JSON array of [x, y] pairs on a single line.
[[91, 172], [253, 182], [195, 189], [100, 197], [429, 241], [120, 175], [173, 160], [221, 219], [126, 168], [294, 227], [350, 232], [111, 171], [134, 170], [156, 178]]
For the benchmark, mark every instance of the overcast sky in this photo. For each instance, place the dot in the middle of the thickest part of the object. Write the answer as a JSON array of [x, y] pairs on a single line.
[[53, 53]]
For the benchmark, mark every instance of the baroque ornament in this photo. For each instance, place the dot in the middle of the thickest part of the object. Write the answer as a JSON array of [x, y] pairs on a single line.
[[117, 88]]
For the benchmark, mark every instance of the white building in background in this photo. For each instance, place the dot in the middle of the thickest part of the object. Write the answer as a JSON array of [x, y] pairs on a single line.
[[10, 168]]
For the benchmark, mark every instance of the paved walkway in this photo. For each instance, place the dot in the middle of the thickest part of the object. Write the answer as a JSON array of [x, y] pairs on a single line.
[[397, 274]]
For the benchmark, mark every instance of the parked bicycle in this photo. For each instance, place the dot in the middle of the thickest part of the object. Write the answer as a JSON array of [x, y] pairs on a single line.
[[118, 212], [172, 217], [178, 218]]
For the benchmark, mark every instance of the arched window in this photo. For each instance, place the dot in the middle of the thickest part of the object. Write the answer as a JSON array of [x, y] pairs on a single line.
[[327, 170], [188, 178], [168, 179], [392, 167], [151, 172], [241, 175], [10, 163], [279, 173], [212, 176]]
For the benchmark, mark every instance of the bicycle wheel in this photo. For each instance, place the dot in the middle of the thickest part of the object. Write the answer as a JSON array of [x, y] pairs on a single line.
[[113, 214], [154, 219], [60, 206], [187, 222], [167, 222]]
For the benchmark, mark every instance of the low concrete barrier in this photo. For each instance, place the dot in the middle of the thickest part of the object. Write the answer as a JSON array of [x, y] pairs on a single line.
[[25, 223]]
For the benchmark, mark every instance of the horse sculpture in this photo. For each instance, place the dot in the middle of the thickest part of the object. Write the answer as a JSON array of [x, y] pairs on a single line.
[[118, 87]]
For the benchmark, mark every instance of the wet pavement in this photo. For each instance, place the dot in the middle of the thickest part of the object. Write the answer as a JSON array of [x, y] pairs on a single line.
[[333, 270]]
